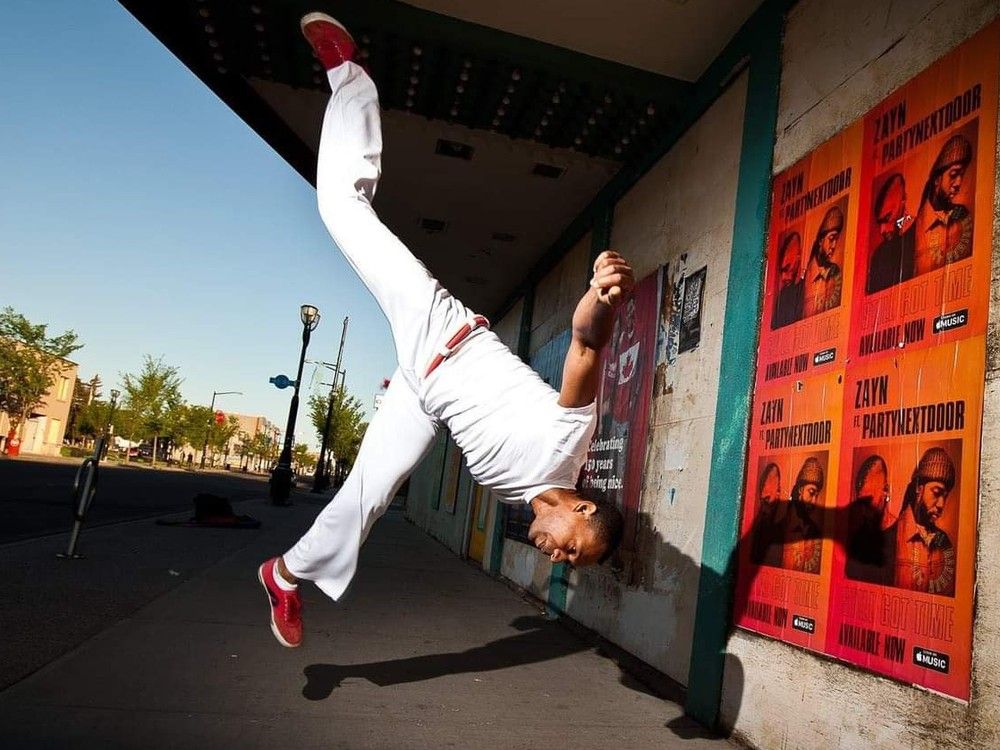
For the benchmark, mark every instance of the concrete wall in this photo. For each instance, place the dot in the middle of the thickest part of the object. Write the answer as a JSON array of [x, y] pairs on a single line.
[[841, 57], [681, 213]]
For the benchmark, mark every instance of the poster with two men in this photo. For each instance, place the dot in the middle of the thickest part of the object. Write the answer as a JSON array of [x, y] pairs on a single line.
[[860, 504]]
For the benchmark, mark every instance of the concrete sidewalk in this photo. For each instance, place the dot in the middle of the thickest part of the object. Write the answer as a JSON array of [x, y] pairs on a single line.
[[425, 651]]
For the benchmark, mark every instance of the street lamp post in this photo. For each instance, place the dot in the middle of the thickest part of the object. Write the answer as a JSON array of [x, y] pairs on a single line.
[[211, 416], [281, 475], [321, 479]]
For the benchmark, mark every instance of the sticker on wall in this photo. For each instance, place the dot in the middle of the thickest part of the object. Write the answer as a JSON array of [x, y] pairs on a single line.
[[689, 334]]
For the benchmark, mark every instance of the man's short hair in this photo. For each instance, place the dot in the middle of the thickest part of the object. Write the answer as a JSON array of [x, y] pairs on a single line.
[[609, 527], [786, 243], [883, 192]]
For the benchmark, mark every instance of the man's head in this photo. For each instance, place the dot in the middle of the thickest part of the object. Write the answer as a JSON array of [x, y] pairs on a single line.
[[948, 172], [871, 487], [570, 528], [934, 479], [809, 483], [828, 236], [769, 485], [890, 207], [789, 260]]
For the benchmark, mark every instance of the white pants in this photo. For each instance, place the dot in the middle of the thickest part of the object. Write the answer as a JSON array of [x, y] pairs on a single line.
[[421, 315]]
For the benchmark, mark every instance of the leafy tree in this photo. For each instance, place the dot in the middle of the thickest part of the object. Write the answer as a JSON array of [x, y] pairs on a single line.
[[92, 419], [177, 426], [84, 394], [151, 394], [200, 429], [346, 425], [261, 448], [302, 457], [221, 435], [29, 364]]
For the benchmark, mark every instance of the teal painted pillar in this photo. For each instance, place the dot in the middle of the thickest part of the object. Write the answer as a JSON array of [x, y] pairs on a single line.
[[600, 240], [739, 346]]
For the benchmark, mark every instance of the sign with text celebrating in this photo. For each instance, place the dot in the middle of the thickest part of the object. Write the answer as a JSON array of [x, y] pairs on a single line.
[[859, 512], [614, 467]]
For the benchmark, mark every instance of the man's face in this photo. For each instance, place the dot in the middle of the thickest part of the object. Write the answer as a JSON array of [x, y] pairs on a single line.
[[892, 211], [932, 498], [948, 184], [566, 536], [828, 246], [770, 493], [809, 494], [875, 489], [791, 264]]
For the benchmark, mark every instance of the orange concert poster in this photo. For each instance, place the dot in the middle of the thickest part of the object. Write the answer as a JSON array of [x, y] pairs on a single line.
[[877, 290], [810, 257], [903, 568], [925, 231], [791, 486]]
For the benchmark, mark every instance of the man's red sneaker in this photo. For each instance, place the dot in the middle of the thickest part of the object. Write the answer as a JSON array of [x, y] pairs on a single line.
[[329, 40], [286, 606]]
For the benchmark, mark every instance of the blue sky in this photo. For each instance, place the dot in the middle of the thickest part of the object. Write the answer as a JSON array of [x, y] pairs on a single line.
[[138, 210]]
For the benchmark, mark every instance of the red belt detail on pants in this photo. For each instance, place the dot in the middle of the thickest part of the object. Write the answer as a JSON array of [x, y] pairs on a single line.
[[478, 321]]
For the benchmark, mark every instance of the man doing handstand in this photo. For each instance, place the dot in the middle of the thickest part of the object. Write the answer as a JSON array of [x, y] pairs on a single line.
[[520, 438]]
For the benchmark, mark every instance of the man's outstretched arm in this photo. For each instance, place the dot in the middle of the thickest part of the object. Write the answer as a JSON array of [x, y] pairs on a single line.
[[593, 321]]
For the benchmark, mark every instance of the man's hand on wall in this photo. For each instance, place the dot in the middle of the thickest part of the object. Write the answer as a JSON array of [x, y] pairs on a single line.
[[612, 278]]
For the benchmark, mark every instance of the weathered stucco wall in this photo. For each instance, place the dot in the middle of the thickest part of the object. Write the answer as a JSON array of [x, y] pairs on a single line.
[[557, 294], [841, 57], [680, 213]]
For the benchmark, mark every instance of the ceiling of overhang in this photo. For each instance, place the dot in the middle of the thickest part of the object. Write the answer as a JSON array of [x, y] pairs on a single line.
[[677, 38], [543, 127]]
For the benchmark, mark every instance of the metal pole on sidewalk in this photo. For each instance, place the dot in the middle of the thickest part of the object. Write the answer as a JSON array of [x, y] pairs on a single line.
[[282, 474], [321, 479], [83, 495]]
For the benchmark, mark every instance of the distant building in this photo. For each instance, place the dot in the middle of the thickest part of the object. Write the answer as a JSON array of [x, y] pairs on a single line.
[[250, 426], [45, 427]]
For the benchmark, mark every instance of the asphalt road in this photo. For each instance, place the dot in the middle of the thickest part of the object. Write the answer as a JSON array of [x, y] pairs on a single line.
[[35, 494]]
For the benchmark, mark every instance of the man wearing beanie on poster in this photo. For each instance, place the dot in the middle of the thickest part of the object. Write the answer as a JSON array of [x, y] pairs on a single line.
[[925, 555], [803, 536], [944, 227], [824, 279]]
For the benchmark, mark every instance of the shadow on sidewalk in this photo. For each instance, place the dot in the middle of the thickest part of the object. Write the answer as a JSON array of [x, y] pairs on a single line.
[[540, 640], [764, 544]]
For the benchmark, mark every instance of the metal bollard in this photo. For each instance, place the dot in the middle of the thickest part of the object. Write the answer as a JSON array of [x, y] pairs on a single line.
[[83, 495]]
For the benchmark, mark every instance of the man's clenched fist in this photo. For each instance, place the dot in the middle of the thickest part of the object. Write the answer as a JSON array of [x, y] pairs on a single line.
[[612, 278]]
